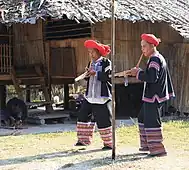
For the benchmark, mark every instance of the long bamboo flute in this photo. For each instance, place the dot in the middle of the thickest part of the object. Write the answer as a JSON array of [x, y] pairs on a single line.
[[82, 76], [127, 72], [119, 74], [139, 61]]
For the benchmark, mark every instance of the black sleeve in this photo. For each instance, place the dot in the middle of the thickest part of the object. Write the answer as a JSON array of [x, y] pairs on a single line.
[[151, 74]]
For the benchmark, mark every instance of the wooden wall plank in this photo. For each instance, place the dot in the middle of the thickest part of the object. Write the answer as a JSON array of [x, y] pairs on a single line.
[[28, 44], [82, 58]]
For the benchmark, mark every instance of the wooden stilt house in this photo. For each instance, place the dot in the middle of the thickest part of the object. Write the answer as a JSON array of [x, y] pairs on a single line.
[[41, 43]]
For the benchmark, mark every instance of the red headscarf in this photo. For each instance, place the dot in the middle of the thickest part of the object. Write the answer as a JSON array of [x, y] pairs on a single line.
[[104, 50], [150, 38]]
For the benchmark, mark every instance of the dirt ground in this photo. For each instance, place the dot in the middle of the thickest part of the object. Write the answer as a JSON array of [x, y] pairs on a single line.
[[56, 151], [95, 159]]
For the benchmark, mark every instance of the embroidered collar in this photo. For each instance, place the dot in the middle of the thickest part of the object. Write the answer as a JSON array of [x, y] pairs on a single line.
[[156, 53], [98, 60]]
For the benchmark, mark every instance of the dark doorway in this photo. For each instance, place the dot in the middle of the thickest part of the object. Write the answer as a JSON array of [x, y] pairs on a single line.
[[128, 100]]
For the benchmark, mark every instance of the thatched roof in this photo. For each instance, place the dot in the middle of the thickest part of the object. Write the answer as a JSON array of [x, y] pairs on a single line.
[[174, 12]]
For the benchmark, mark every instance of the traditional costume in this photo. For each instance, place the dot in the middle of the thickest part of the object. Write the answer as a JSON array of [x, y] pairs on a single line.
[[97, 100], [158, 88]]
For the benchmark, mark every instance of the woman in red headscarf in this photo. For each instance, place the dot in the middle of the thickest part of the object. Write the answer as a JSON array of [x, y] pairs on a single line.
[[98, 97], [157, 89]]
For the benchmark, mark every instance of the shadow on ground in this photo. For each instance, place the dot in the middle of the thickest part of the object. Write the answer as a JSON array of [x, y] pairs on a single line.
[[72, 152], [95, 163]]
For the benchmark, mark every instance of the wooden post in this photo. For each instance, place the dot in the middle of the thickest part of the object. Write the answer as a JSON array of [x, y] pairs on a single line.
[[45, 89], [28, 94], [113, 79], [16, 84], [66, 96], [50, 90], [2, 97]]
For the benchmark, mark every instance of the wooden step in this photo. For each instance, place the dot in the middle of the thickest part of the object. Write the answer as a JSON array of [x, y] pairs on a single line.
[[5, 77], [40, 117], [33, 87], [26, 75], [38, 103], [28, 69], [29, 78]]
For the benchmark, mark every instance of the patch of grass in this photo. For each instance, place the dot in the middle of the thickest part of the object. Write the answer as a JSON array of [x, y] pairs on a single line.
[[127, 135], [176, 134]]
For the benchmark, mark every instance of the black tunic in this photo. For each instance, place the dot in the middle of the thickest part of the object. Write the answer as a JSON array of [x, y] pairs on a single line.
[[157, 81], [103, 77]]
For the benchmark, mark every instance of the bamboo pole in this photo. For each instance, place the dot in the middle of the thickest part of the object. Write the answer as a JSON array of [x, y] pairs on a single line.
[[7, 58], [4, 58], [1, 55], [113, 79]]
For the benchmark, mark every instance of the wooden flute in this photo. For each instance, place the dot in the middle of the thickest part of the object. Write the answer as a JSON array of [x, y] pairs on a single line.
[[128, 72], [119, 74]]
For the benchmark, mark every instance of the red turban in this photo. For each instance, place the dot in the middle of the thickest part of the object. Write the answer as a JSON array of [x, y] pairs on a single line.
[[104, 50], [150, 38]]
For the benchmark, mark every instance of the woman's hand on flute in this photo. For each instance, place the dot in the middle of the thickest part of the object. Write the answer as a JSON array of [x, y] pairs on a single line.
[[127, 73], [123, 73], [134, 71], [92, 73]]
